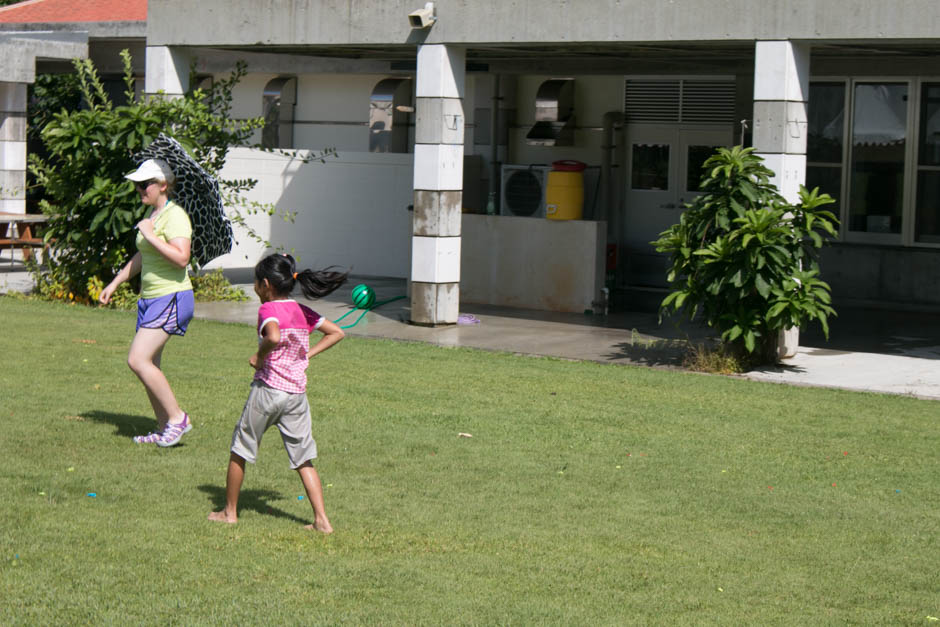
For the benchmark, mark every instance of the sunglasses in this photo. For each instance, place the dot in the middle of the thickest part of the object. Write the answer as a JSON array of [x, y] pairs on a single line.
[[142, 185]]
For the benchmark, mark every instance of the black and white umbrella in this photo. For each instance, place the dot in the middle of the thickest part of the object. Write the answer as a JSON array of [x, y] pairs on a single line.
[[197, 192]]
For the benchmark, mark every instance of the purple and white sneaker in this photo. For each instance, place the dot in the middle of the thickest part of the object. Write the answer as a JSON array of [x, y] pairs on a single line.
[[172, 433], [150, 438]]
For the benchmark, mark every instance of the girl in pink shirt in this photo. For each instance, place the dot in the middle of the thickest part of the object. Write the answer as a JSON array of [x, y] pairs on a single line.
[[278, 393]]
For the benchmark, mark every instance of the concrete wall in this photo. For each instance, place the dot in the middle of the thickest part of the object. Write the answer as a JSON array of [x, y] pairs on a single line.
[[593, 97], [532, 263], [384, 22], [865, 275], [351, 211], [332, 110]]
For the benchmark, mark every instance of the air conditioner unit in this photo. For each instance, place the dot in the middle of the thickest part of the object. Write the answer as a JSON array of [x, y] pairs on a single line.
[[523, 190]]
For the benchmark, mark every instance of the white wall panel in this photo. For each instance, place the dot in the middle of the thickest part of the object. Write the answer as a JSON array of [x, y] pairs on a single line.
[[351, 211]]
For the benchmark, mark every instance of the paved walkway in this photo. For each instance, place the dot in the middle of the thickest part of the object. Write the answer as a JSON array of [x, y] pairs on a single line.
[[869, 350]]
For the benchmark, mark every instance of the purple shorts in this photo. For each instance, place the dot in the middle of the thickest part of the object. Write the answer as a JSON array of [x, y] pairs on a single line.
[[171, 313]]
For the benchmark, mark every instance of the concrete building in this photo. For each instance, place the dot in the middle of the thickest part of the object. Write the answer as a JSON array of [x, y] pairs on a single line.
[[43, 36], [455, 106]]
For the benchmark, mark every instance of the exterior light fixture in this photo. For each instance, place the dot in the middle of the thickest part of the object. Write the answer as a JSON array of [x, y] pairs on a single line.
[[423, 18]]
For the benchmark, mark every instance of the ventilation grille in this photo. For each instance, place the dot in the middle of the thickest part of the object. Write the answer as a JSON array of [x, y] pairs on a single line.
[[679, 100]]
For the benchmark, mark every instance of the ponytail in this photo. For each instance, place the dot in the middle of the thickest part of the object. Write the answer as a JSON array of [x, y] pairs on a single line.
[[320, 283], [281, 272]]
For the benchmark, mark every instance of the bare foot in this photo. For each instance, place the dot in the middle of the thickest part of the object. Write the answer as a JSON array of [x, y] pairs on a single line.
[[221, 516], [322, 527]]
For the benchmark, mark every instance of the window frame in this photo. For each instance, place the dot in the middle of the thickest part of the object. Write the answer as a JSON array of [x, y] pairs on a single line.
[[916, 167], [912, 167], [846, 141]]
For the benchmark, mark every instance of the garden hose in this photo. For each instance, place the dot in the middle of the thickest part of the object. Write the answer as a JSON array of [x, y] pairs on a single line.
[[363, 297]]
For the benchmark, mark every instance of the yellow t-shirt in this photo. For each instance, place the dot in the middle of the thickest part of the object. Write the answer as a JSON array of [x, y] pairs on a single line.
[[159, 277]]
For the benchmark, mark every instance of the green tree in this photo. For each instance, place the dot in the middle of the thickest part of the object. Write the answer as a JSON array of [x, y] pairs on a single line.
[[745, 259], [88, 150]]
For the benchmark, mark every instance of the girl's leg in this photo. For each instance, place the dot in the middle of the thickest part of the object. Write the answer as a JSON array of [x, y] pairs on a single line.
[[158, 411], [144, 360], [308, 474], [233, 487]]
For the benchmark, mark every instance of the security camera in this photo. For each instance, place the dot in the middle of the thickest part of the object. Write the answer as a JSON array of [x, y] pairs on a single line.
[[422, 18]]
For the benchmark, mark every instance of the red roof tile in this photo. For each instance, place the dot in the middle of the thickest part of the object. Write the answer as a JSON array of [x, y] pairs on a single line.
[[42, 11]]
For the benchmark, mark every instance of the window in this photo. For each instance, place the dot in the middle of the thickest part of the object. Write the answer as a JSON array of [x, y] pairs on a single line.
[[879, 142], [874, 146], [650, 167], [277, 102], [825, 145], [389, 107], [927, 209], [696, 156]]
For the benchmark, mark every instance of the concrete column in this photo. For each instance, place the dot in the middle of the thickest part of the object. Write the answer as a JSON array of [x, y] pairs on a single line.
[[438, 185], [13, 147], [167, 71], [781, 91]]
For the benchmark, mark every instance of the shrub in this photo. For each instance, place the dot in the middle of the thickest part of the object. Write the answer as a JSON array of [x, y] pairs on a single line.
[[213, 286], [745, 259], [92, 208], [87, 151]]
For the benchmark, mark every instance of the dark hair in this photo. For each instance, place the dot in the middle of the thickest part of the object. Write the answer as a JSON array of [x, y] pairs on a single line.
[[281, 272]]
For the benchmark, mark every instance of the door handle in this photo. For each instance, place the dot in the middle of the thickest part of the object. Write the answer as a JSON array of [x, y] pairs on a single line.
[[668, 205]]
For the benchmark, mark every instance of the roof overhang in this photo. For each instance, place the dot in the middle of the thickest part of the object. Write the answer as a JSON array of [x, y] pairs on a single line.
[[20, 50], [93, 30]]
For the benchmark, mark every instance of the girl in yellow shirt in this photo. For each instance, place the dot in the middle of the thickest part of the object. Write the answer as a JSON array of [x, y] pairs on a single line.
[[166, 301]]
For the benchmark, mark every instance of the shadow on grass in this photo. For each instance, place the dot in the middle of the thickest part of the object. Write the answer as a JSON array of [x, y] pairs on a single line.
[[254, 500], [127, 425]]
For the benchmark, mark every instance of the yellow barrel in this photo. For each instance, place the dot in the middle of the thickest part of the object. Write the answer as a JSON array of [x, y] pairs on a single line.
[[564, 195]]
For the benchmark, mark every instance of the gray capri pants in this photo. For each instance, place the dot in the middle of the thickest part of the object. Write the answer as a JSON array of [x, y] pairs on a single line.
[[265, 407]]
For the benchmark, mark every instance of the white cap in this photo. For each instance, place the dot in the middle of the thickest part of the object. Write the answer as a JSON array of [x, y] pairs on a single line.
[[152, 169]]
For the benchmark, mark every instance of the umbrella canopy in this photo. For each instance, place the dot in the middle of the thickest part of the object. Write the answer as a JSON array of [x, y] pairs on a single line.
[[197, 192]]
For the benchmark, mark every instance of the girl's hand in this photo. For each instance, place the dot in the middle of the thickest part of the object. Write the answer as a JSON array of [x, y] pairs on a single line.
[[105, 296], [145, 227], [253, 361]]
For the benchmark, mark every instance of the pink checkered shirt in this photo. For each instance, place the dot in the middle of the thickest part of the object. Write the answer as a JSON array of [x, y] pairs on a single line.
[[285, 368]]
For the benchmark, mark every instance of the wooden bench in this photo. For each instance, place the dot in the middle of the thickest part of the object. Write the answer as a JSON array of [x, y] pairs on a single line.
[[22, 230]]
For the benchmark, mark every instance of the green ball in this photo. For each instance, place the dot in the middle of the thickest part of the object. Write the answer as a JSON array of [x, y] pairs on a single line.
[[363, 296]]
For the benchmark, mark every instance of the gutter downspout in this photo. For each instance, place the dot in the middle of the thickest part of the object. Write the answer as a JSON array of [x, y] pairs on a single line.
[[611, 119], [608, 213], [491, 202]]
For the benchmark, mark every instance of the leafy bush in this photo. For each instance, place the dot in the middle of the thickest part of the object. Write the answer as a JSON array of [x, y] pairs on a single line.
[[87, 151], [207, 287], [124, 297], [745, 259], [92, 208], [213, 286]]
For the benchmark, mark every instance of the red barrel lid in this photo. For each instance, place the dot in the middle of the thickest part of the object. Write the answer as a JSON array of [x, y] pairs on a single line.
[[568, 165]]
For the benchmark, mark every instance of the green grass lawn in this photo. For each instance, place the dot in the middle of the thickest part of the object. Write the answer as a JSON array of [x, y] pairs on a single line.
[[588, 494]]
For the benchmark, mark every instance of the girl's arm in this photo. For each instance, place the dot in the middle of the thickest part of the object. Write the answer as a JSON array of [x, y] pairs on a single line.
[[331, 335], [128, 271], [270, 338]]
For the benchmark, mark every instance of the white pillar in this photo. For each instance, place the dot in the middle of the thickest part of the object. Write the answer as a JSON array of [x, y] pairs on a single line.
[[13, 147], [167, 71], [781, 91], [438, 185]]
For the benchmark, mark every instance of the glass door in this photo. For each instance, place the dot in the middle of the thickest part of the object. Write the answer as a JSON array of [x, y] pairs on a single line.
[[927, 208], [879, 146], [664, 170]]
